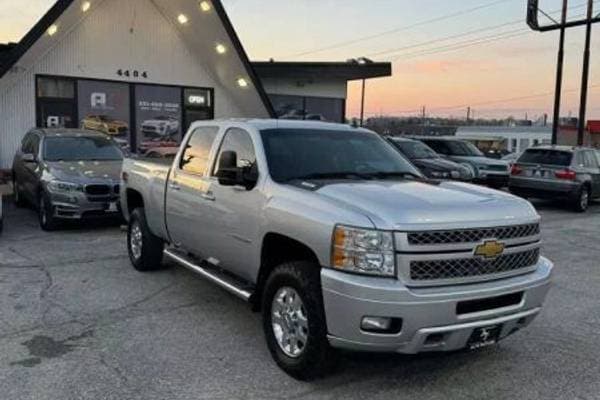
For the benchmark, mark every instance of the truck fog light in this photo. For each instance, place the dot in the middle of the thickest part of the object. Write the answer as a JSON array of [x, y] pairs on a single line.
[[381, 324]]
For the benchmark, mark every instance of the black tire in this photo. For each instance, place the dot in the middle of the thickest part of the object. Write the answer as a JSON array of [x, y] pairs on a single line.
[[147, 256], [48, 222], [317, 357], [18, 197], [581, 200]]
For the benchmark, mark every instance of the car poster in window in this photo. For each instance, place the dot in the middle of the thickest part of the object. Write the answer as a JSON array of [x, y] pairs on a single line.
[[158, 117], [105, 107]]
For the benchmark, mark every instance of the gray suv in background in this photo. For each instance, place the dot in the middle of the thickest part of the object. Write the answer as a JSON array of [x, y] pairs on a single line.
[[487, 171], [67, 175], [562, 172]]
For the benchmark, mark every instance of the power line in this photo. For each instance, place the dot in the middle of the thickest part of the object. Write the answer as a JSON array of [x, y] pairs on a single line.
[[489, 102], [399, 29], [463, 34]]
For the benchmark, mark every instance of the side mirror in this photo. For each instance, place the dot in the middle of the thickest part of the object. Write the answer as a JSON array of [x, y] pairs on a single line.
[[229, 174], [29, 158]]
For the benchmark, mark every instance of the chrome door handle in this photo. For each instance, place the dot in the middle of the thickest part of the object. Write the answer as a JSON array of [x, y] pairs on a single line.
[[208, 196], [173, 186]]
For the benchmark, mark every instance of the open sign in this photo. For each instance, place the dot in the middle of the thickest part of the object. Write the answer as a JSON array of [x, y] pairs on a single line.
[[197, 100]]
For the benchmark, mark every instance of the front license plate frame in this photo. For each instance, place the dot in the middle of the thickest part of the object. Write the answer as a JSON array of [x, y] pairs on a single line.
[[484, 336]]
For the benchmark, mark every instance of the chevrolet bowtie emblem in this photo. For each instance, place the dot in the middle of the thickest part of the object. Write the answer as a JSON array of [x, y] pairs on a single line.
[[489, 249]]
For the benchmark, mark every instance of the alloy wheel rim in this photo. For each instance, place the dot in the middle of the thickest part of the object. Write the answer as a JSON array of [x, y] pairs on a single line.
[[136, 241], [289, 322], [584, 199]]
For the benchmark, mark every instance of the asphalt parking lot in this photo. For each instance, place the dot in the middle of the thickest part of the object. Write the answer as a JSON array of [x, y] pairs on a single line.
[[77, 322]]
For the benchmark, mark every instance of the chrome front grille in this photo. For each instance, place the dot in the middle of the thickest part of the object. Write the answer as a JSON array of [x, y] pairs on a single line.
[[447, 269], [455, 236]]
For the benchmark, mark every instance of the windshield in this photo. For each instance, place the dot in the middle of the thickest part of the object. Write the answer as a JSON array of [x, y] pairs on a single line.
[[318, 153], [415, 150], [81, 149], [459, 148], [546, 156]]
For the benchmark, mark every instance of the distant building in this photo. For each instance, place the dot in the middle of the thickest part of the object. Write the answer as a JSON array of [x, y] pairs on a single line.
[[512, 138], [567, 134]]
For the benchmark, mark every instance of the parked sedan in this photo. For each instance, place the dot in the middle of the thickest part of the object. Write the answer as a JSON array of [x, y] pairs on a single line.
[[428, 161], [562, 172], [67, 175], [485, 170]]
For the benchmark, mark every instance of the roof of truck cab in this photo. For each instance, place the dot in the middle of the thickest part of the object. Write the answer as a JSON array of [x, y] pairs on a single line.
[[261, 124]]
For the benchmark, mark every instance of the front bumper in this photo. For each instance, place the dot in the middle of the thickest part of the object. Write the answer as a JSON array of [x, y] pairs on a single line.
[[493, 178], [77, 206], [426, 313]]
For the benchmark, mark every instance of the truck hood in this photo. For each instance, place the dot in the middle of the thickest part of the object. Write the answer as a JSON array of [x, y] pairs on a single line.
[[417, 205], [85, 171]]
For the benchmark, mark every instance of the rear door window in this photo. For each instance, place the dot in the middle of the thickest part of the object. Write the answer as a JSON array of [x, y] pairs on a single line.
[[546, 156], [195, 158], [589, 159]]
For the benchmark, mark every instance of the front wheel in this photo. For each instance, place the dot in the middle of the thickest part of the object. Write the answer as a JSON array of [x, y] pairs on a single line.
[[144, 248], [294, 321], [48, 222]]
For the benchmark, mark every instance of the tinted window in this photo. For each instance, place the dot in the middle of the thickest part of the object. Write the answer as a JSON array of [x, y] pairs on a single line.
[[196, 153], [239, 141], [438, 146], [414, 150], [460, 148], [589, 159], [27, 144], [546, 156], [296, 153], [81, 149]]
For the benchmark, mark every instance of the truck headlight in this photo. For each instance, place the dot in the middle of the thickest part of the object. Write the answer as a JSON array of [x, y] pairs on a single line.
[[64, 187], [364, 251]]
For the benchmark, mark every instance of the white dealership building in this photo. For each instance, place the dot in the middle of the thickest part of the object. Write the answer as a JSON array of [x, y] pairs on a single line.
[[139, 70]]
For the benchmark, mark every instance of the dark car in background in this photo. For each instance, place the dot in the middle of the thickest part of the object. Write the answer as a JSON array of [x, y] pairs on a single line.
[[68, 174], [428, 161], [558, 172], [491, 172]]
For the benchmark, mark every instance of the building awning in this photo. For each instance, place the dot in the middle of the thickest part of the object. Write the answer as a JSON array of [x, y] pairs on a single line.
[[322, 70]]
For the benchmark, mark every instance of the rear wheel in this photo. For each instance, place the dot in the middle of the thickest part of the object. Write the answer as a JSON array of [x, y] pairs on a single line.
[[144, 248], [19, 201], [294, 321], [581, 201]]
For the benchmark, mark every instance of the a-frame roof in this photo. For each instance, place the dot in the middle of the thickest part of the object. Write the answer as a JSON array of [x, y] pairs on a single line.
[[11, 55]]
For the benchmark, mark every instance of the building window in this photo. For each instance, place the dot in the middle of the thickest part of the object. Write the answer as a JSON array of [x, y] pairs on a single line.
[[309, 108], [55, 88]]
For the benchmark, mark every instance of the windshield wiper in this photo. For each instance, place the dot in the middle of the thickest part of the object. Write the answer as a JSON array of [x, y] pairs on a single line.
[[396, 174], [332, 175]]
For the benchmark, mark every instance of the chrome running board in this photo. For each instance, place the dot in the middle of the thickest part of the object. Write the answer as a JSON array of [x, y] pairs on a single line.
[[227, 282]]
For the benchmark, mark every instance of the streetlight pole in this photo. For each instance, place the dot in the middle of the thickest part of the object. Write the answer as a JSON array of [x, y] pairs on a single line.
[[586, 73], [362, 103], [559, 74]]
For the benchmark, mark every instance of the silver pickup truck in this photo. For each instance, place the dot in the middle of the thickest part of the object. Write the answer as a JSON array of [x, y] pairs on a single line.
[[338, 240]]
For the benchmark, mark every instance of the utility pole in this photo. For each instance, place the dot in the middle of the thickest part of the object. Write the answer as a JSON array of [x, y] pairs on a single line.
[[362, 103], [559, 74], [468, 115], [586, 73]]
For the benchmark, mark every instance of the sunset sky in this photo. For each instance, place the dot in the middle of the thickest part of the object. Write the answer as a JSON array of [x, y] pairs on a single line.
[[446, 54]]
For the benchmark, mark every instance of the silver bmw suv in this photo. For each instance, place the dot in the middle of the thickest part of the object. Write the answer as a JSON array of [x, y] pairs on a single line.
[[67, 174]]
